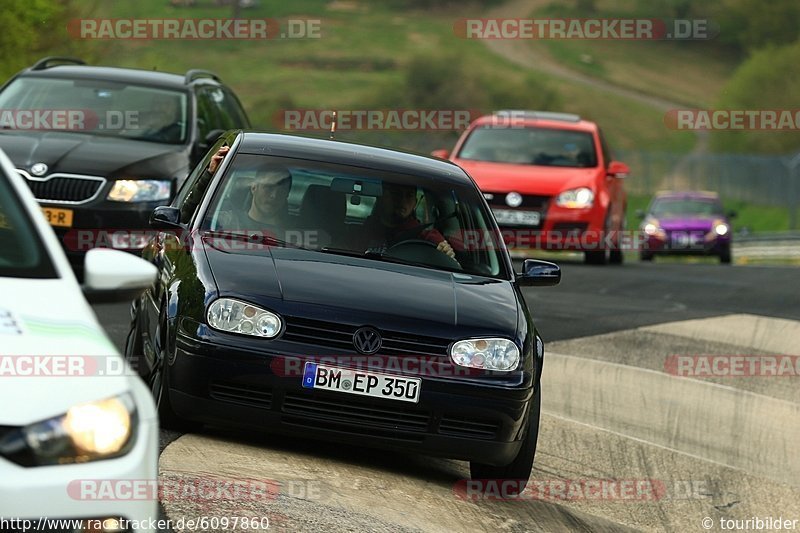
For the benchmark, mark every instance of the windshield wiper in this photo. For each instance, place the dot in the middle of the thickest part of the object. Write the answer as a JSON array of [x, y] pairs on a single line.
[[259, 237], [379, 256]]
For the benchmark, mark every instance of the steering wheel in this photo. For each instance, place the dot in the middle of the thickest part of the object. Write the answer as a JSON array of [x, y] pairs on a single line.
[[439, 259]]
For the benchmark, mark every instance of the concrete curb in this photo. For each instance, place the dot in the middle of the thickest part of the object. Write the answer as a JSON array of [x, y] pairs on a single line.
[[748, 431]]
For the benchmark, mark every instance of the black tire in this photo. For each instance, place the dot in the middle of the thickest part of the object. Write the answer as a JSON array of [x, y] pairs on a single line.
[[725, 256], [645, 256], [616, 257], [159, 387], [520, 468], [595, 257]]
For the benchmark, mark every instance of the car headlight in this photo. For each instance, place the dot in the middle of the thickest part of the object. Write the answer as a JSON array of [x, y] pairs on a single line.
[[651, 228], [87, 432], [233, 316], [720, 228], [140, 191], [487, 354], [576, 198]]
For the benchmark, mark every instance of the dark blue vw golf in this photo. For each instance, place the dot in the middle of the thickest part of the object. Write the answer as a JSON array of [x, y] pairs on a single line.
[[342, 292]]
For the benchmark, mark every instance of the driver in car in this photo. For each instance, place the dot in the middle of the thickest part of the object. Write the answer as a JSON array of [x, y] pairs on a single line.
[[394, 221]]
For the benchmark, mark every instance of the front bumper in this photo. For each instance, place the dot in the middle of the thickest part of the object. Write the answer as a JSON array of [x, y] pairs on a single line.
[[54, 491], [467, 418], [686, 243], [103, 224], [561, 229]]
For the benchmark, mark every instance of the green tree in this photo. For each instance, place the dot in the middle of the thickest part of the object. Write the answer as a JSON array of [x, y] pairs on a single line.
[[768, 80], [28, 29]]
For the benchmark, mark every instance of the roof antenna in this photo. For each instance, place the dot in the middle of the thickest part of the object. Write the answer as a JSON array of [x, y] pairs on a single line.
[[333, 125]]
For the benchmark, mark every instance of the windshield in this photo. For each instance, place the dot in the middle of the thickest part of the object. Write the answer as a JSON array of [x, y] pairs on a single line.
[[96, 107], [531, 146], [686, 207], [368, 213], [22, 254]]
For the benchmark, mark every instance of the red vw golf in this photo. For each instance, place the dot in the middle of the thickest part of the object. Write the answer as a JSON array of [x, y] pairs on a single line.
[[549, 179]]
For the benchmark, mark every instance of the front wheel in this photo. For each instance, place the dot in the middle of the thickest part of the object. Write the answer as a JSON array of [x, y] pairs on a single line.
[[520, 468], [725, 255], [159, 386]]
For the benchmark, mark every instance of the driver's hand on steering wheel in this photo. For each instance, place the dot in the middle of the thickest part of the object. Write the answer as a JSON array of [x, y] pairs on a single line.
[[445, 247]]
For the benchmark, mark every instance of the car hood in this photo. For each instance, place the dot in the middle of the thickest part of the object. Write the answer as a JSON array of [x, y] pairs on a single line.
[[94, 155], [527, 179], [40, 319], [366, 291]]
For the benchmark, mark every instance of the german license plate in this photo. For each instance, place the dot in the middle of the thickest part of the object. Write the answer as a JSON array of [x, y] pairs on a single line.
[[519, 218], [348, 381], [58, 217]]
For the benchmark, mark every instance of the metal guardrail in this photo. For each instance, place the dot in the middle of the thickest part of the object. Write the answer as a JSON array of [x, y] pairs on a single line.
[[770, 236]]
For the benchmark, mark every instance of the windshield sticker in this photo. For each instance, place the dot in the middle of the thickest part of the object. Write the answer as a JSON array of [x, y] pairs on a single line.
[[9, 325]]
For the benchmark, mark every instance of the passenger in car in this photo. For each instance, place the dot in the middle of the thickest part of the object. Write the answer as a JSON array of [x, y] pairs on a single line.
[[268, 209], [394, 220]]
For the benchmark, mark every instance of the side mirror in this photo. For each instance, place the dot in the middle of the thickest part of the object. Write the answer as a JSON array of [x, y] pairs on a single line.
[[537, 273], [618, 169], [443, 154], [732, 214], [640, 214], [166, 217], [115, 276]]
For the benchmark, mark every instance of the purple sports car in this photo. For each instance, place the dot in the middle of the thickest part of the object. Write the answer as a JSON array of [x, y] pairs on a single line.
[[688, 222]]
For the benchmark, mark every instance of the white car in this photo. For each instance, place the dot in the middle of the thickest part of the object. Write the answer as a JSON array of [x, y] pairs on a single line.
[[73, 415]]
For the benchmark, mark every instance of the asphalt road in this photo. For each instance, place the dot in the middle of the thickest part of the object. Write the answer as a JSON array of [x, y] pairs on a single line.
[[623, 321]]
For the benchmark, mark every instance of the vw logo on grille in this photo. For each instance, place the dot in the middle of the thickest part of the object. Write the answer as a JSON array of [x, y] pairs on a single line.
[[38, 169], [367, 340], [514, 199]]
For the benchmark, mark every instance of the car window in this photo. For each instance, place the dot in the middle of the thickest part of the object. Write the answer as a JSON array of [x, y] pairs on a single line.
[[371, 213], [531, 146], [98, 107], [231, 112], [191, 193], [207, 113], [685, 206], [607, 155], [22, 253]]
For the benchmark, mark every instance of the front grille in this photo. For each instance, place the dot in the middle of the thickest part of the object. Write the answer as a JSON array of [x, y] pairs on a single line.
[[571, 228], [65, 189], [340, 336], [461, 427], [249, 395], [355, 417], [529, 201]]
